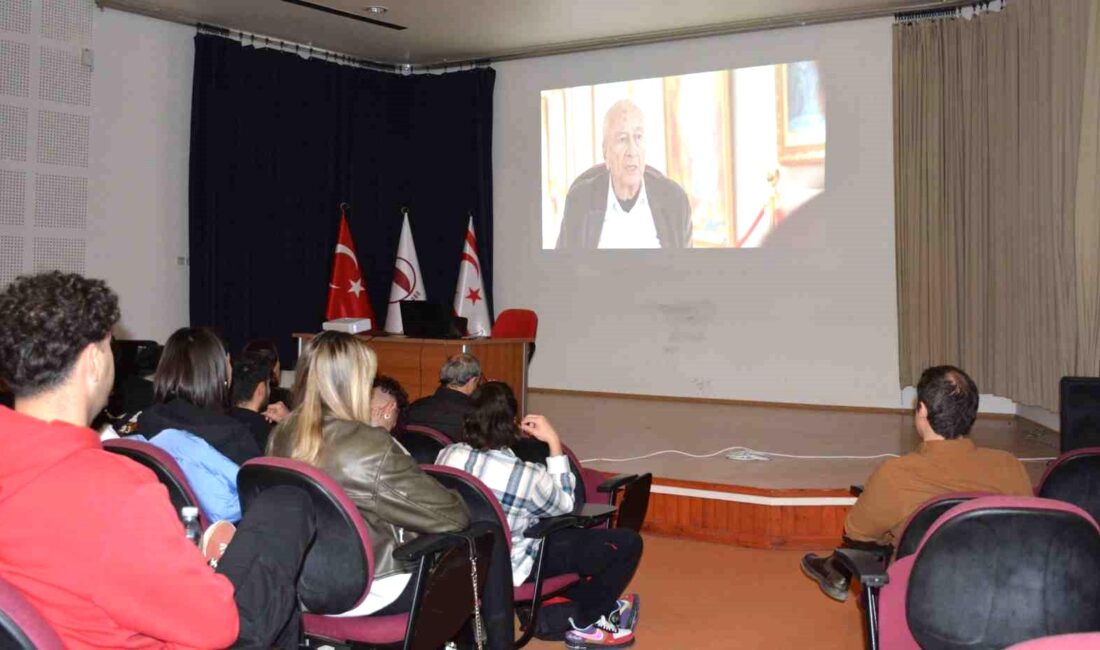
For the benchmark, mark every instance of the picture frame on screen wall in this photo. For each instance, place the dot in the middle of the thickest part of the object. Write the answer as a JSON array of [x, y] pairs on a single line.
[[800, 109]]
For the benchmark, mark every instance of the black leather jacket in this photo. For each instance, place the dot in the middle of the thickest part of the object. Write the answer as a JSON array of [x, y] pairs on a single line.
[[586, 204], [395, 498]]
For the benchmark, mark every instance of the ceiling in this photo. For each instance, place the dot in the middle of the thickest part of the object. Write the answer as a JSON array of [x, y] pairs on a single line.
[[441, 31]]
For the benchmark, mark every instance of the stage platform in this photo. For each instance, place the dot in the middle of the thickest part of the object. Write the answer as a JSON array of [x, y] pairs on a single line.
[[780, 503]]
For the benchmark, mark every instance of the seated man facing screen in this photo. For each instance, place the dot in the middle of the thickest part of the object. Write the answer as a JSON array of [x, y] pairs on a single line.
[[250, 393], [445, 410], [90, 537], [946, 461]]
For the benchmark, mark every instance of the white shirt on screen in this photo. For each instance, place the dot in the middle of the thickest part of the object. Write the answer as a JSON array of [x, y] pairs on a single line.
[[632, 229]]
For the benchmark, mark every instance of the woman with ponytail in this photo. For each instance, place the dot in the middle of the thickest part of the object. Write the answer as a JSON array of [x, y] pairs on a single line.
[[330, 429]]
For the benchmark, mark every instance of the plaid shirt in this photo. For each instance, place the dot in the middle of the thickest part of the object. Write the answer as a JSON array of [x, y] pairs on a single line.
[[527, 492]]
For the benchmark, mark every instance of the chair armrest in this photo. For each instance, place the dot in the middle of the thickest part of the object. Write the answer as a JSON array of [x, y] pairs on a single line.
[[864, 565], [855, 490], [552, 524], [616, 482], [435, 542], [593, 513]]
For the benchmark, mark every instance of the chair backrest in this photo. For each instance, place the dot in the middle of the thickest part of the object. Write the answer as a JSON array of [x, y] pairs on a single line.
[[1083, 641], [923, 517], [1075, 478], [338, 569], [994, 571], [21, 626], [516, 324], [480, 500], [165, 468], [423, 443]]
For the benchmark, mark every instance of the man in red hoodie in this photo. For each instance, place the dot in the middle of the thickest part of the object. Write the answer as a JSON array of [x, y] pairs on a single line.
[[89, 537]]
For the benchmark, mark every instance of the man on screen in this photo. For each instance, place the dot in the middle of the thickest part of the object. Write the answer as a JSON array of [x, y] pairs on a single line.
[[622, 203]]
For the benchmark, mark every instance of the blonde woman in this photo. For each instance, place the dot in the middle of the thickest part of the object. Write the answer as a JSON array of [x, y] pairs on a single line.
[[330, 429]]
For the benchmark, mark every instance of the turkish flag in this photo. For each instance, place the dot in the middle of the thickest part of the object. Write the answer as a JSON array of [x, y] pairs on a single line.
[[470, 290], [347, 295]]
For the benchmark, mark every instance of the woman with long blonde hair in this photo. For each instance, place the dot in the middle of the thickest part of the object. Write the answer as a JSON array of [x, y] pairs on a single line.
[[331, 429]]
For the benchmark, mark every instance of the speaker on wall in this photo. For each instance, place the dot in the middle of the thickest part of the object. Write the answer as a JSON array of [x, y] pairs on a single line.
[[1079, 412]]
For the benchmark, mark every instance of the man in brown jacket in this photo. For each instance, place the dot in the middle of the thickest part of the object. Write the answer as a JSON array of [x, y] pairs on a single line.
[[946, 461]]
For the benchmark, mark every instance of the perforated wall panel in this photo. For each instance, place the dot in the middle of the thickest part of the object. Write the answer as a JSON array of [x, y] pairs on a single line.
[[15, 68], [13, 197], [11, 258], [62, 201], [62, 78], [15, 16], [63, 138], [13, 133], [58, 254], [67, 20]]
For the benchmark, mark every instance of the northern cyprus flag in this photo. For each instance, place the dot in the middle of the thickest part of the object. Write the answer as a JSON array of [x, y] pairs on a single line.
[[470, 292]]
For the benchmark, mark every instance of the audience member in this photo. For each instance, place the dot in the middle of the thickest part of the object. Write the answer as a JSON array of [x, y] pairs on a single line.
[[388, 404], [606, 558], [192, 392], [947, 460], [446, 409], [279, 395], [330, 429], [250, 390], [91, 538]]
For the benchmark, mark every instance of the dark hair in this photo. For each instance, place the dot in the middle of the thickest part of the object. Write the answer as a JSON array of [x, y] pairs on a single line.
[[951, 397], [249, 371], [193, 367], [392, 387], [492, 422], [268, 346], [46, 321]]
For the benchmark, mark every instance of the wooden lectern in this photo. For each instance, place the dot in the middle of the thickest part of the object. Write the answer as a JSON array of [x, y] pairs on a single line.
[[416, 362]]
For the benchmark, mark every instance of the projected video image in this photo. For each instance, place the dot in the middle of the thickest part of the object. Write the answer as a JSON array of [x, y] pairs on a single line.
[[709, 160]]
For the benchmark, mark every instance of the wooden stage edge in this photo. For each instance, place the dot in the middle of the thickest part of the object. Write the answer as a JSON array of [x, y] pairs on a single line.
[[808, 519]]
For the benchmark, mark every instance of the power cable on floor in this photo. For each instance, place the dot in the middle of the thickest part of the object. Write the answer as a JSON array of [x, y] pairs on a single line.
[[740, 453]]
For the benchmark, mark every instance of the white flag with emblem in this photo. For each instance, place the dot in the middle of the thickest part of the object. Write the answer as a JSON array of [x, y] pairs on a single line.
[[470, 292], [408, 284]]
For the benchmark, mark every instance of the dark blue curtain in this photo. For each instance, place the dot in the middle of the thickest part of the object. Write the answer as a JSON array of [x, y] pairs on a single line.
[[278, 142]]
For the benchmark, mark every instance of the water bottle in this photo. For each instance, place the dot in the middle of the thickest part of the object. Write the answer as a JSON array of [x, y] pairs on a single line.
[[191, 526]]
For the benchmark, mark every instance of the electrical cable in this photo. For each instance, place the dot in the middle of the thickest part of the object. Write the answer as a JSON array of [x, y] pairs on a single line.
[[739, 452]]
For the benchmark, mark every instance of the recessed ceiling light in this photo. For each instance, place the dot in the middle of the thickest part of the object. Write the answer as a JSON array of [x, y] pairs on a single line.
[[376, 10]]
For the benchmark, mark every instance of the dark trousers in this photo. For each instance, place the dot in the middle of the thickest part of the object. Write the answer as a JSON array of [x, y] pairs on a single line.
[[263, 562], [605, 558]]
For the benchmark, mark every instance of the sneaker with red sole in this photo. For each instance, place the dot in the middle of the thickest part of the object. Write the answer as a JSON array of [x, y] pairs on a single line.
[[215, 540], [601, 634]]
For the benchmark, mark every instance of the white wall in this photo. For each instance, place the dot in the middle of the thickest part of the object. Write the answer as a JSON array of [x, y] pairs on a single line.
[[137, 207], [809, 318]]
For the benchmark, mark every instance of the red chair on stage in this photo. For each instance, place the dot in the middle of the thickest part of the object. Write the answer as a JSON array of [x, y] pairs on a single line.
[[517, 324]]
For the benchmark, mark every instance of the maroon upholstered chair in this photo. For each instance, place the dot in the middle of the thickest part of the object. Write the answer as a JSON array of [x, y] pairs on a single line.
[[990, 572], [628, 492], [1083, 641], [165, 468], [1074, 477], [338, 569], [21, 626], [923, 517], [485, 508], [423, 443]]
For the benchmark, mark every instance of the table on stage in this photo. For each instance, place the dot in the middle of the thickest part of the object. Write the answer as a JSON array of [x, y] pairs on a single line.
[[416, 362]]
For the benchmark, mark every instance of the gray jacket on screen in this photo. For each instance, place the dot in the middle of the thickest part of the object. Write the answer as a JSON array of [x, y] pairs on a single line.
[[586, 204]]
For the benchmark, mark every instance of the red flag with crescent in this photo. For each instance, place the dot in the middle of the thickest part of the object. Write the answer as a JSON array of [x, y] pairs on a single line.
[[347, 293]]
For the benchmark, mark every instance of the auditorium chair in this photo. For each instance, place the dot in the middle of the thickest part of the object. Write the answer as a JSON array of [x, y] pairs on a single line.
[[1083, 641], [422, 442], [21, 626], [1074, 477], [485, 508], [339, 566], [517, 324], [990, 572], [629, 492], [165, 468]]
